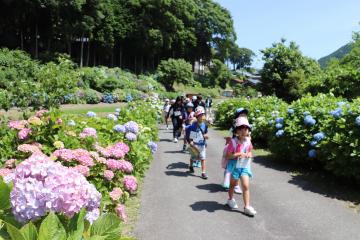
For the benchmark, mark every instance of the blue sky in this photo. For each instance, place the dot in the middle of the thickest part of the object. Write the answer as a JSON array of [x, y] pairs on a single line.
[[318, 26]]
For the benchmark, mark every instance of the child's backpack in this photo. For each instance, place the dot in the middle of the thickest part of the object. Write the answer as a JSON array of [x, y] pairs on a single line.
[[224, 160]]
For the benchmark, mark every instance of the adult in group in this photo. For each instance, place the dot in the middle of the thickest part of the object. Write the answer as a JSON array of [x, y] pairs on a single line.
[[208, 104], [176, 113]]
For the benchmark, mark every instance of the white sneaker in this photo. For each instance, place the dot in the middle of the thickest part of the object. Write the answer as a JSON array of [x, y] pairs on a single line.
[[237, 189], [250, 211], [167, 128], [232, 204], [175, 140]]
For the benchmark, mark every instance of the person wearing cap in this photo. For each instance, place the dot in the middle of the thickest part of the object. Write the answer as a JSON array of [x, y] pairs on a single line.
[[239, 153], [176, 113], [189, 118], [166, 109], [196, 136], [199, 102]]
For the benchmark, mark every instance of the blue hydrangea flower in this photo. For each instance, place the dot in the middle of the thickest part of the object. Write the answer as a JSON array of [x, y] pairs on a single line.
[[340, 104], [291, 111], [279, 126], [312, 153], [279, 120], [313, 143], [309, 120], [117, 110], [357, 121], [306, 113], [336, 113], [319, 136], [91, 114], [112, 117], [257, 110], [275, 113], [129, 98], [350, 112], [119, 128], [71, 123], [153, 147], [279, 133], [271, 122]]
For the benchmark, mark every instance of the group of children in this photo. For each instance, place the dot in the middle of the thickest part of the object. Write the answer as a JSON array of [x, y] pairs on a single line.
[[190, 116]]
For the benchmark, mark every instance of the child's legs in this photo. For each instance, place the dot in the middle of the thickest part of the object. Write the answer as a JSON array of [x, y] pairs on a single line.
[[231, 189], [203, 165], [246, 190]]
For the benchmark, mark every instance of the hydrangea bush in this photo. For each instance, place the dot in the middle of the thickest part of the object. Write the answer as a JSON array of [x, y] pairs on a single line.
[[74, 161], [318, 131]]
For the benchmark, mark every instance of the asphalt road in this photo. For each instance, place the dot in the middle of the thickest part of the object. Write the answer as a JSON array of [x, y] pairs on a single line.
[[178, 205]]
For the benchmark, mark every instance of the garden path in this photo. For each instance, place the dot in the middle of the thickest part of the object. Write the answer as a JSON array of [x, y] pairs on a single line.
[[178, 205]]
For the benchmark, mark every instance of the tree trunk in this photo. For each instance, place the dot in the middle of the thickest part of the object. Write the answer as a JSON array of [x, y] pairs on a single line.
[[112, 58], [82, 50], [36, 41], [94, 62], [142, 64], [22, 39], [135, 64], [88, 53], [121, 56]]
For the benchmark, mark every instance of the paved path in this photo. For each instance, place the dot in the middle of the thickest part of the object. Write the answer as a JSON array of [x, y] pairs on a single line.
[[177, 205]]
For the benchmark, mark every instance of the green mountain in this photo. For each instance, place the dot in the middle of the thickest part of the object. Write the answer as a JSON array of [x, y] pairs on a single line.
[[337, 54]]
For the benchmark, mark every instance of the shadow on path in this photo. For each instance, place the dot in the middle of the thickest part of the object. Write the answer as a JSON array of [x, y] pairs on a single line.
[[178, 165], [212, 206], [177, 151], [212, 187]]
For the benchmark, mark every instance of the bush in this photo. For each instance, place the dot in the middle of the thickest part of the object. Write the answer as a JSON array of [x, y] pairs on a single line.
[[174, 71], [219, 75], [92, 96], [305, 133]]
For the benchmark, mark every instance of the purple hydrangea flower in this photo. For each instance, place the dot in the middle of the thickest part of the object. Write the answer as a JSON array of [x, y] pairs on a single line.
[[91, 114], [130, 136], [119, 128], [132, 127], [153, 147]]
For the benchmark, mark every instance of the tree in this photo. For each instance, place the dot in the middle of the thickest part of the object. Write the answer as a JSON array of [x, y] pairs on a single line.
[[219, 74], [241, 58], [174, 71], [285, 70]]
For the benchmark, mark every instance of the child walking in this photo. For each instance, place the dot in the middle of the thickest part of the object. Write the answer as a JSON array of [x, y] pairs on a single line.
[[239, 156], [166, 109], [196, 135], [189, 118]]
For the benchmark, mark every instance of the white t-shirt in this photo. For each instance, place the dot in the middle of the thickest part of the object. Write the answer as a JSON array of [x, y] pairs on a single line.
[[167, 108]]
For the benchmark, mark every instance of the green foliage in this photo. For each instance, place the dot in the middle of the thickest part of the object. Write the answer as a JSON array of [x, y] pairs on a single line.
[[286, 70], [174, 71], [92, 96], [337, 153], [338, 54], [241, 58], [219, 75], [244, 91]]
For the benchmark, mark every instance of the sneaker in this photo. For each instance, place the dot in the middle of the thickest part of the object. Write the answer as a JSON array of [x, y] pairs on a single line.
[[191, 169], [250, 211], [167, 128], [175, 140], [232, 204], [237, 189], [204, 176], [184, 148]]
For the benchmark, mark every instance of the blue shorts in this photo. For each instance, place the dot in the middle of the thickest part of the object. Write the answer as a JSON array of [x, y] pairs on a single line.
[[236, 173]]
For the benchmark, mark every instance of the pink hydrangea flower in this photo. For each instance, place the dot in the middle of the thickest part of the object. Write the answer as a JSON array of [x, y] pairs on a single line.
[[120, 211], [40, 113], [108, 174], [122, 165], [5, 172], [88, 132], [116, 194], [130, 183], [42, 185], [59, 121], [18, 124], [10, 163], [83, 157], [123, 146], [82, 169], [24, 133], [64, 154], [28, 148]]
